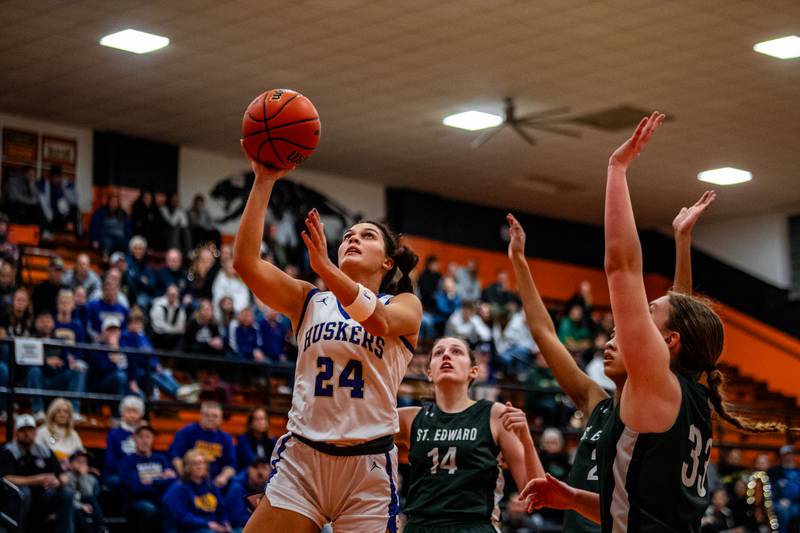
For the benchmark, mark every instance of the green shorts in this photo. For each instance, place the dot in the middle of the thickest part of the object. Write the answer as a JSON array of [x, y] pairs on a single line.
[[466, 528]]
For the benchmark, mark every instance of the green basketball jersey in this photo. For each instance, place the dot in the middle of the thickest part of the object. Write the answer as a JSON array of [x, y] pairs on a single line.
[[656, 482], [583, 474], [455, 476]]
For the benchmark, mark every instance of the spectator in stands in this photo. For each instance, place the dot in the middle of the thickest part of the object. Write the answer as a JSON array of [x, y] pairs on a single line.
[[58, 201], [176, 225], [81, 312], [83, 275], [201, 274], [119, 441], [447, 302], [172, 273], [145, 220], [540, 400], [256, 441], [202, 333], [46, 292], [108, 369], [245, 338], [22, 197], [252, 482], [513, 341], [35, 470], [17, 319], [730, 467], [718, 518], [58, 431], [428, 283], [215, 444], [115, 276], [145, 476], [786, 488], [8, 275], [160, 376], [228, 283], [194, 504], [141, 278], [168, 319], [273, 329], [499, 293], [582, 298], [110, 227], [109, 305], [201, 226], [467, 282], [61, 370], [574, 332], [119, 262], [88, 515], [67, 328], [595, 369], [9, 252], [466, 324], [225, 316]]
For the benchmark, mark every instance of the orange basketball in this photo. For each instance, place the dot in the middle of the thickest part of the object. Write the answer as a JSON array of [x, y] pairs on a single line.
[[280, 128]]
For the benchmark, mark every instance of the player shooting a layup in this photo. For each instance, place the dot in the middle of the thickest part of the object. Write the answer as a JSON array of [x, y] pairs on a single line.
[[338, 462]]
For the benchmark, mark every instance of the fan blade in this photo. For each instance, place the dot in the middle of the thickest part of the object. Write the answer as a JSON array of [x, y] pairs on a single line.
[[545, 113], [479, 141], [524, 134], [556, 129]]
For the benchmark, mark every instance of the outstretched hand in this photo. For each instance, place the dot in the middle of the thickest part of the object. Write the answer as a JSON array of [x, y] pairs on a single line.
[[547, 492], [262, 172], [314, 238], [630, 149], [685, 220], [516, 244]]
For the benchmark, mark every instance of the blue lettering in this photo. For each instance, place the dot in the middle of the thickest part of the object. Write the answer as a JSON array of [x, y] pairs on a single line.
[[341, 332], [307, 341], [354, 334], [379, 342], [316, 334], [330, 328], [367, 341]]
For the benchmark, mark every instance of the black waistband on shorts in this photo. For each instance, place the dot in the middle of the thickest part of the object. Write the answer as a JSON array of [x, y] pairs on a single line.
[[379, 445]]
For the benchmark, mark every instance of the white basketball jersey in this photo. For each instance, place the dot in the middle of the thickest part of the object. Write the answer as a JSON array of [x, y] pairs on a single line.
[[346, 379]]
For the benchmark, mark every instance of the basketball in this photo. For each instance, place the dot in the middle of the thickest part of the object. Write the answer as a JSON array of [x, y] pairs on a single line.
[[280, 128]]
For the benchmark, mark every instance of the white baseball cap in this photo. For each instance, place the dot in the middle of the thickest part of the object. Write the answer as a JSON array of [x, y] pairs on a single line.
[[110, 322], [25, 421]]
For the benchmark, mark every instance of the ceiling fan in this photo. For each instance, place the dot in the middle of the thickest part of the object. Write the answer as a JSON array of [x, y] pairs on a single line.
[[549, 120]]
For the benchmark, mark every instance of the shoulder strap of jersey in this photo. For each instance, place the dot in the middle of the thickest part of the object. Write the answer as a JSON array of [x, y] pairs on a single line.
[[306, 303]]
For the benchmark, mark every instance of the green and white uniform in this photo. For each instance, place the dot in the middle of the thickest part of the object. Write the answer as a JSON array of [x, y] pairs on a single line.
[[656, 482], [583, 474], [456, 482]]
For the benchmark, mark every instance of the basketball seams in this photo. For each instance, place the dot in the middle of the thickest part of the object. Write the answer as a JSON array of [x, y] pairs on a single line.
[[266, 129], [287, 141], [291, 129]]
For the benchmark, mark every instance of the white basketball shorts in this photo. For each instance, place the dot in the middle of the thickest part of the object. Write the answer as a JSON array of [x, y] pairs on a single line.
[[357, 494]]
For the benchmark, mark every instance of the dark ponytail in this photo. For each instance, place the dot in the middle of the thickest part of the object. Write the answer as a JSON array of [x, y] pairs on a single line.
[[715, 383], [398, 279], [702, 337]]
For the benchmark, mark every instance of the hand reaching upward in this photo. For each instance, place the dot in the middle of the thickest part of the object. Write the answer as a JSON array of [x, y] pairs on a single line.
[[630, 149], [685, 220]]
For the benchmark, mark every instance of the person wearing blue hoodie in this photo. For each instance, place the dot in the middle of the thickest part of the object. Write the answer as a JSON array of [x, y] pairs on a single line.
[[250, 481], [119, 441], [194, 504], [206, 436], [145, 475]]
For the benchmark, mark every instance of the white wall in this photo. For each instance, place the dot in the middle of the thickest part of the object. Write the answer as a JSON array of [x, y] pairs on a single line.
[[756, 244], [200, 170], [84, 137]]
